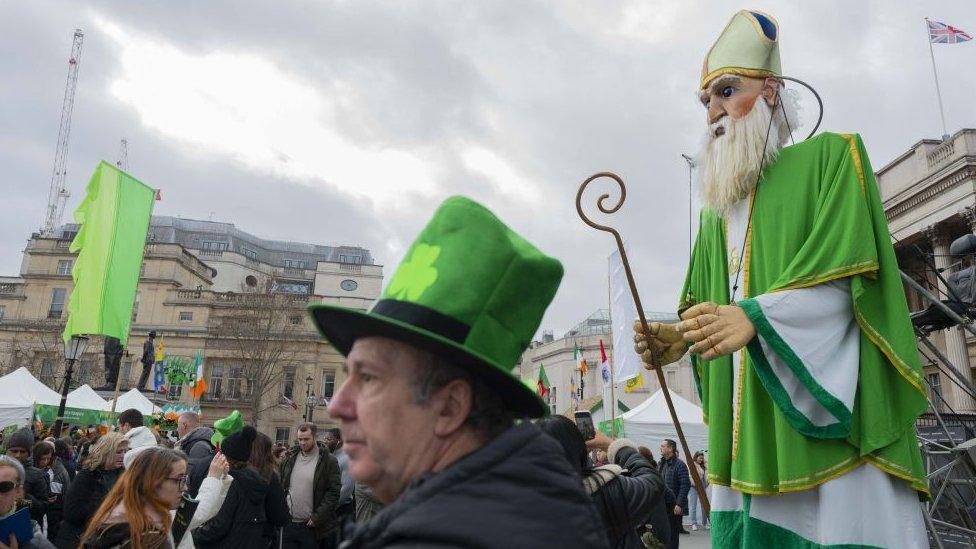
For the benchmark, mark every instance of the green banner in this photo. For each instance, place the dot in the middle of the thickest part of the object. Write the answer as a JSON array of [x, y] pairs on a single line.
[[75, 416], [617, 432], [114, 218], [180, 407]]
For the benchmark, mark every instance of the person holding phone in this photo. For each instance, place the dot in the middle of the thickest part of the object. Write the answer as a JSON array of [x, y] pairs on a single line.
[[627, 493]]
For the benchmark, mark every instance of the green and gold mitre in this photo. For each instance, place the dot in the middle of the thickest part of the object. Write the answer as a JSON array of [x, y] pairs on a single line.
[[749, 46], [470, 290]]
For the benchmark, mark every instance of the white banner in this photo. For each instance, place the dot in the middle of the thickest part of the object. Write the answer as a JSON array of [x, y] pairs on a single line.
[[623, 315]]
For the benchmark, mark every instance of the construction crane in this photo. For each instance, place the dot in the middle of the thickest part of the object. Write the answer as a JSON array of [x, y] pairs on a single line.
[[58, 194], [123, 161]]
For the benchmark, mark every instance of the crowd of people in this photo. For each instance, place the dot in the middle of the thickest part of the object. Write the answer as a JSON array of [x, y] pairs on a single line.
[[126, 488]]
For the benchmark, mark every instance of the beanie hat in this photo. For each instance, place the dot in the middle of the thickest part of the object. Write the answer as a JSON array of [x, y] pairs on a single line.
[[140, 439], [23, 438], [238, 445]]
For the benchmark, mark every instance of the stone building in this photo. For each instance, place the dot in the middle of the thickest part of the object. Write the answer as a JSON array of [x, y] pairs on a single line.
[[558, 356], [244, 311], [929, 196]]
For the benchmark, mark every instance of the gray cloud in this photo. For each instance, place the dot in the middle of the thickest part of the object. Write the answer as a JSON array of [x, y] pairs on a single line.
[[557, 90]]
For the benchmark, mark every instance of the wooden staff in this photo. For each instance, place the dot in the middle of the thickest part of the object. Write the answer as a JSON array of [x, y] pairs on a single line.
[[692, 467]]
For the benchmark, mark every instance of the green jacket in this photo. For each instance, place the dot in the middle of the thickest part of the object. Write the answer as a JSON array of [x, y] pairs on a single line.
[[325, 494]]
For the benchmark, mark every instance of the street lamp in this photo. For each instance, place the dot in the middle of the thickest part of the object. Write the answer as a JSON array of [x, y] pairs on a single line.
[[691, 166], [73, 349], [308, 392], [310, 404]]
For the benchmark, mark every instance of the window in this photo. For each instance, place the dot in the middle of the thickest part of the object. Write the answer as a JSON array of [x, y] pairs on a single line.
[[85, 373], [216, 383], [328, 384], [552, 400], [57, 303], [135, 307], [47, 372], [3, 311], [142, 270], [294, 319], [186, 316], [64, 267], [935, 391], [343, 258], [235, 382], [248, 252], [283, 434], [126, 369], [212, 245], [288, 383], [295, 263], [174, 392]]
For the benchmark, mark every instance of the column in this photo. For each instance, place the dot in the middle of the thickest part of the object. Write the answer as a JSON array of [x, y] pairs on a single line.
[[955, 338]]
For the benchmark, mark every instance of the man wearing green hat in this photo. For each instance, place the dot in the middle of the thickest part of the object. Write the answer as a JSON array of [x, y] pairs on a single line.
[[429, 406], [796, 320]]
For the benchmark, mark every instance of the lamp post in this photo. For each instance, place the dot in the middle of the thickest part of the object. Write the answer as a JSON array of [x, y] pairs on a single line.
[[310, 405], [73, 349], [691, 166], [308, 391]]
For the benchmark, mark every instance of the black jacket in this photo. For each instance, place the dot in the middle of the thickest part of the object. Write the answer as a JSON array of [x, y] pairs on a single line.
[[518, 491], [37, 489], [325, 495], [628, 501], [675, 475], [80, 502], [117, 536], [199, 453], [243, 520]]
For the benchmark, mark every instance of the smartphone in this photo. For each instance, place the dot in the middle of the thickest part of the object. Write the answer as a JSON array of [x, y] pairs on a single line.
[[584, 421]]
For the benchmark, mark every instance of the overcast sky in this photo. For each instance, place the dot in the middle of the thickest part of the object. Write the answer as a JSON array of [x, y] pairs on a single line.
[[348, 122]]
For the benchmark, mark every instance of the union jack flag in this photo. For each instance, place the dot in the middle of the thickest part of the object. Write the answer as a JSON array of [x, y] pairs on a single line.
[[940, 33]]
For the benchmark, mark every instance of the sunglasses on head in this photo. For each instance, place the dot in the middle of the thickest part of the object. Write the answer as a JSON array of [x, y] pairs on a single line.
[[7, 486]]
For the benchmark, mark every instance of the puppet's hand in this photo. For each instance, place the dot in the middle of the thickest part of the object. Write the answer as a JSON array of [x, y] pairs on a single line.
[[658, 344], [716, 330]]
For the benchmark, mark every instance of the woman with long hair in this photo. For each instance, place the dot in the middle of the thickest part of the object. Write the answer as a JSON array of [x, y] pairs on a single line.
[[136, 512], [627, 492], [99, 471], [275, 505]]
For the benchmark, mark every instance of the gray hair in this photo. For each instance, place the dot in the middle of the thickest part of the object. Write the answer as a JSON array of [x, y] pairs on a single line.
[[489, 416], [7, 461], [191, 417]]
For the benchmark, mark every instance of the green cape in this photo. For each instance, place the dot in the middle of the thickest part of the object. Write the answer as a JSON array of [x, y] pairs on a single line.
[[817, 217]]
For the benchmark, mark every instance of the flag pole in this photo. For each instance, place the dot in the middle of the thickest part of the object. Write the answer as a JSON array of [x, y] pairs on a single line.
[[613, 394], [935, 74]]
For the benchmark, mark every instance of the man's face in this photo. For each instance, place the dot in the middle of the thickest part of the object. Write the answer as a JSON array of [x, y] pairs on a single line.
[[183, 427], [306, 441], [388, 437], [665, 450], [331, 441], [731, 96], [124, 428], [20, 454]]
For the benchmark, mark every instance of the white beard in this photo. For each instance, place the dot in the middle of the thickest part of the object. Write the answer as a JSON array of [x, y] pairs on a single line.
[[728, 165]]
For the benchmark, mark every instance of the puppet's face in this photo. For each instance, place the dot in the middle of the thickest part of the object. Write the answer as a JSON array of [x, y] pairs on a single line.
[[730, 98]]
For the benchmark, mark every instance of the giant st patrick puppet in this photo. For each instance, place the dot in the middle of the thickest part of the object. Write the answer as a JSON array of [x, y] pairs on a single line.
[[796, 320]]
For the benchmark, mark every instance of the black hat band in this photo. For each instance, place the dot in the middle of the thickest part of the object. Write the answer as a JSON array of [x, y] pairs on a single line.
[[424, 318]]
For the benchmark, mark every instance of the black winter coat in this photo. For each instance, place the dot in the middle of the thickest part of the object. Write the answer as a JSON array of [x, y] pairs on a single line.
[[37, 489], [85, 494], [516, 492], [245, 516], [675, 475], [628, 501], [199, 453]]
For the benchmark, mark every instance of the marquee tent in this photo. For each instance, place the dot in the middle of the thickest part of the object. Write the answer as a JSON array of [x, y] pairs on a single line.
[[85, 397], [133, 399], [649, 423], [19, 392]]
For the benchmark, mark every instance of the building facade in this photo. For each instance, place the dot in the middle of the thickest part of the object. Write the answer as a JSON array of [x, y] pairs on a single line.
[[929, 196], [244, 312], [559, 359]]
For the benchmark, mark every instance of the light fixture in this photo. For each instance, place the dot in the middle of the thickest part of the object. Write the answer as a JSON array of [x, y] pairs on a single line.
[[75, 347]]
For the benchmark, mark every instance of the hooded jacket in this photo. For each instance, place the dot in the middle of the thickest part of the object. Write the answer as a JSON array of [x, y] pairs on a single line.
[[516, 492], [199, 452], [240, 522]]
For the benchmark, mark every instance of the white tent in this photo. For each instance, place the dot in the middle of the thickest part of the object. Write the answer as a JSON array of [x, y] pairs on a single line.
[[133, 399], [19, 391], [86, 398], [650, 423]]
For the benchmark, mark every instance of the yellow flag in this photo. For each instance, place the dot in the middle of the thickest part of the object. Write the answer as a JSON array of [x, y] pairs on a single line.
[[634, 383], [161, 351]]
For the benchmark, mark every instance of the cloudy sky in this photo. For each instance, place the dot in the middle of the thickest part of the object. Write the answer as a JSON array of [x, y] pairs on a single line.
[[347, 122]]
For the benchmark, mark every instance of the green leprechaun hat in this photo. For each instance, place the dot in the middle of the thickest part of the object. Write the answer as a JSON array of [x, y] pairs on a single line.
[[470, 290], [749, 46], [227, 426]]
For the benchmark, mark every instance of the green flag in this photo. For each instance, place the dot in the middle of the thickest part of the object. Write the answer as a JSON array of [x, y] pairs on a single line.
[[542, 384], [114, 219]]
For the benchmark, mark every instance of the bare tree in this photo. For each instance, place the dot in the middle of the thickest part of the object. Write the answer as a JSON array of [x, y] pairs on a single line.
[[258, 325]]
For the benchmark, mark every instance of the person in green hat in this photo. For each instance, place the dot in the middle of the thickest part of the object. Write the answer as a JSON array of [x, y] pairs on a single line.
[[430, 404], [795, 316]]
